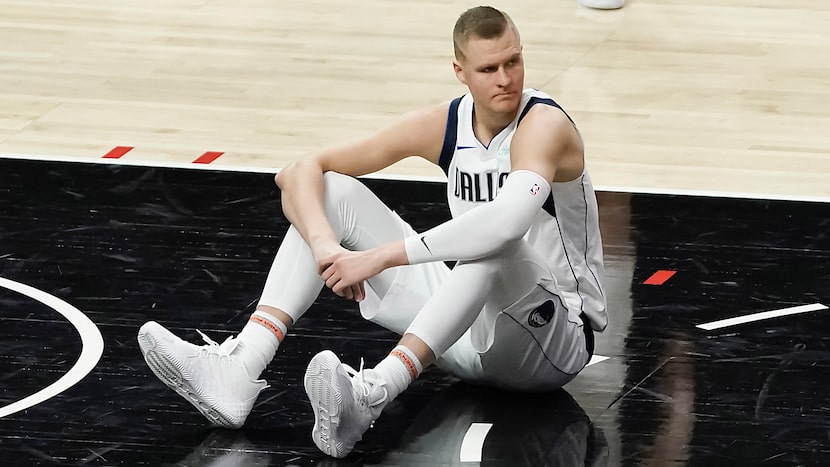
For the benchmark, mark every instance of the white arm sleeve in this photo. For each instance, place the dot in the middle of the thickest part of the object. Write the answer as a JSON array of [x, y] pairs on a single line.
[[486, 229]]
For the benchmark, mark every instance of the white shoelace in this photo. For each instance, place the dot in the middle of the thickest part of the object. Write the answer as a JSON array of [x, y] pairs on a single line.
[[214, 348], [366, 387]]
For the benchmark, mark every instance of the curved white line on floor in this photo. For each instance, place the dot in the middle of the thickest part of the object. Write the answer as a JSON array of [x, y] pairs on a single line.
[[91, 351]]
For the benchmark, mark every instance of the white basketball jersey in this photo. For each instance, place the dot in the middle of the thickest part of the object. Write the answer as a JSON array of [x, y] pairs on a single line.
[[565, 232]]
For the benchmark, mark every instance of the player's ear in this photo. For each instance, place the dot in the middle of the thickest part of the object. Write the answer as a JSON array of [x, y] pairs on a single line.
[[459, 72]]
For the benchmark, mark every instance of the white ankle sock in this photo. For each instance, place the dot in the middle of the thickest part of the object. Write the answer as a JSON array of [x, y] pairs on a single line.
[[398, 370], [258, 342]]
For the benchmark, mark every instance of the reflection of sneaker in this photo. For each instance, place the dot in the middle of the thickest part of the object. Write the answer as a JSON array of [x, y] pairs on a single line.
[[207, 376], [224, 449], [344, 406], [602, 4]]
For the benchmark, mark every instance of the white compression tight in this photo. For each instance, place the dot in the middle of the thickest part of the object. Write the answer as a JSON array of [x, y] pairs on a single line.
[[360, 221], [477, 289]]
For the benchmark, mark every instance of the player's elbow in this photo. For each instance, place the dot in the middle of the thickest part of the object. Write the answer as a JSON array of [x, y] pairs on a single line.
[[296, 170], [281, 176], [286, 174]]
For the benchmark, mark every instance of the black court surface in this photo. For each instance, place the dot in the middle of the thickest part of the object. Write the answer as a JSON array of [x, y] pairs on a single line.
[[92, 251]]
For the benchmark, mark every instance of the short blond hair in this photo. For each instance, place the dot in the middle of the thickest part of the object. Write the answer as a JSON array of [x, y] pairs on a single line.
[[483, 22]]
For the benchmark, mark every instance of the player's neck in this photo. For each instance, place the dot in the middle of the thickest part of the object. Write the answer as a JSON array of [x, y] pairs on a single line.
[[486, 125]]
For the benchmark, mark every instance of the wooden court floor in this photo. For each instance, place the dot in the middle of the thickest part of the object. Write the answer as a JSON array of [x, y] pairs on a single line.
[[716, 96], [137, 147]]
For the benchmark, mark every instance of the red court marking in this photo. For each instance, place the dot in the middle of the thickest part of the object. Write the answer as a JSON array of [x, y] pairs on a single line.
[[659, 277], [208, 157], [117, 152]]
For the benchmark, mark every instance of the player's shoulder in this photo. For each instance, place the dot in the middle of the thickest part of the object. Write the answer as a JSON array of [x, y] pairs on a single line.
[[534, 99], [547, 116], [543, 120]]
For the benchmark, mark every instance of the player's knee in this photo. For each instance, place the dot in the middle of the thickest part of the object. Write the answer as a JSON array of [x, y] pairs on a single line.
[[498, 265], [339, 187], [340, 201], [487, 268]]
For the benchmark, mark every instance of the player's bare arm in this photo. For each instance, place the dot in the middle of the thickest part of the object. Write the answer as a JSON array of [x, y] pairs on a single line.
[[418, 133], [547, 144]]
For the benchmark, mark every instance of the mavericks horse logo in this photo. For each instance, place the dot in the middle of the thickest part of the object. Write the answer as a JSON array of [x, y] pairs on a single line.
[[541, 315]]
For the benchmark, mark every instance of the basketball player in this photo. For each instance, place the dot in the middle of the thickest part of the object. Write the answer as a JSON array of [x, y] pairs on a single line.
[[517, 310]]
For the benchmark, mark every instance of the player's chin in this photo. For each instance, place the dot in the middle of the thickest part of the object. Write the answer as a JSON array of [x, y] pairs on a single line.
[[506, 103]]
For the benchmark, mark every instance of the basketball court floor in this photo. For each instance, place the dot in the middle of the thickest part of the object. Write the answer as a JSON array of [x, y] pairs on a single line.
[[138, 145], [190, 249]]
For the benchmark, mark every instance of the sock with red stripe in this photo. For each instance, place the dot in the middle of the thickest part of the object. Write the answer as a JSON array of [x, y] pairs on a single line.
[[258, 342], [398, 370]]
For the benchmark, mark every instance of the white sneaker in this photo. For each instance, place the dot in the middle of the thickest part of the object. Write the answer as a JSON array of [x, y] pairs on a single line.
[[207, 376], [345, 403], [602, 4]]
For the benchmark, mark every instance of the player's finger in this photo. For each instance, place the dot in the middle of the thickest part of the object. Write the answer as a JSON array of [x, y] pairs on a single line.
[[322, 266], [355, 290], [332, 281], [343, 291], [361, 292]]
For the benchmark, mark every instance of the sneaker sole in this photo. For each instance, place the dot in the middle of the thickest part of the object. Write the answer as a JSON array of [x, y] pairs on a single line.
[[321, 393], [172, 378]]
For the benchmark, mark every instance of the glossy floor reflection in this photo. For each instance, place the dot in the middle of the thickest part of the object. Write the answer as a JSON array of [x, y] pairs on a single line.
[[190, 249]]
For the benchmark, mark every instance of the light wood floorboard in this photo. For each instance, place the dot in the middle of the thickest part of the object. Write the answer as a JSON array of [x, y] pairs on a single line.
[[724, 96]]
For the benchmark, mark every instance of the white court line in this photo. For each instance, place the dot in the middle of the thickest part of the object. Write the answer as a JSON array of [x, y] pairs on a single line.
[[417, 178], [91, 340], [760, 316], [473, 442]]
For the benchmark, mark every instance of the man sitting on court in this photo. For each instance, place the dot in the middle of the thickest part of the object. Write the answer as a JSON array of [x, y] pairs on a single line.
[[517, 310]]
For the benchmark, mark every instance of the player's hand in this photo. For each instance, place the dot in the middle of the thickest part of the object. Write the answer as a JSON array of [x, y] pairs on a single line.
[[324, 250], [346, 272]]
